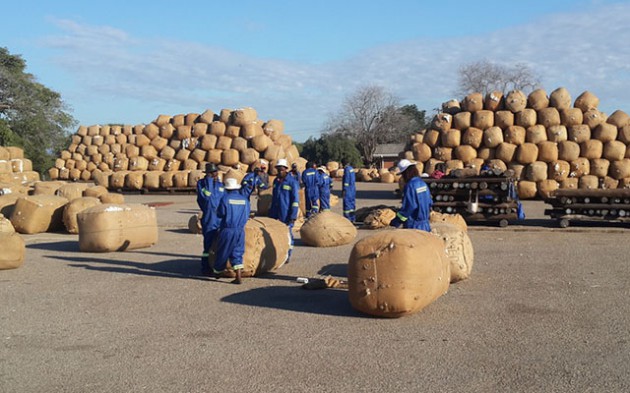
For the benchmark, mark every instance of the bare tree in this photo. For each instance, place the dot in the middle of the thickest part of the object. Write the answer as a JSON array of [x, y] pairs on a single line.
[[370, 116], [484, 77]]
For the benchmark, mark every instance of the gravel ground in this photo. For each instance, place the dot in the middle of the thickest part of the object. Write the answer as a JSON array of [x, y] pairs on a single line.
[[545, 310]]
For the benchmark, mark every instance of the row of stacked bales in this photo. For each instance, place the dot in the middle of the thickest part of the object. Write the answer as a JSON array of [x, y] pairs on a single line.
[[549, 141], [16, 171], [172, 151]]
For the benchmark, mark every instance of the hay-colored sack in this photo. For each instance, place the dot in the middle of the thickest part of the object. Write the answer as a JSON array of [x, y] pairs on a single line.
[[38, 213], [459, 249], [397, 272], [327, 229], [5, 225], [110, 227], [379, 218], [452, 219], [13, 248], [73, 208]]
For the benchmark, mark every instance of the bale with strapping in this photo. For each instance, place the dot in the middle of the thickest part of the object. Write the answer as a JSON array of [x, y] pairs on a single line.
[[110, 227], [397, 272]]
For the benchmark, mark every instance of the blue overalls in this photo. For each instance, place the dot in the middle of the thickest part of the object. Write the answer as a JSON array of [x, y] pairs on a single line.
[[209, 194], [349, 192], [285, 203], [232, 213], [324, 192], [250, 182], [416, 205], [311, 180]]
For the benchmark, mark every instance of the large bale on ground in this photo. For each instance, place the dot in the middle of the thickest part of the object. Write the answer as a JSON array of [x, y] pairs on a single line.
[[397, 272], [327, 229], [73, 208], [452, 219], [13, 248], [5, 225], [38, 213], [459, 249], [379, 218], [113, 227]]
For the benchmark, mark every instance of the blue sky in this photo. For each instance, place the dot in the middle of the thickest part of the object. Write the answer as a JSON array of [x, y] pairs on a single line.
[[128, 62]]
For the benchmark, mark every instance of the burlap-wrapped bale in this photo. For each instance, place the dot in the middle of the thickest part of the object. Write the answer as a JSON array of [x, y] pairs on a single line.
[[579, 167], [71, 191], [387, 177], [559, 170], [328, 229], [526, 189], [536, 171], [505, 152], [431, 137], [47, 187], [485, 153], [459, 249], [599, 167], [515, 101], [442, 122], [38, 213], [618, 119], [614, 150], [503, 119], [619, 169], [514, 135], [451, 107], [588, 182], [568, 150], [547, 151], [593, 118], [472, 136], [465, 153], [591, 149], [549, 117], [608, 182], [538, 99], [443, 153], [570, 183], [451, 137], [74, 207], [451, 219], [483, 119], [112, 197], [493, 101], [95, 191], [398, 272], [586, 101], [379, 218], [526, 153], [560, 98], [525, 118], [517, 169], [112, 227], [579, 133], [134, 180], [5, 225], [13, 249], [421, 151], [492, 137], [473, 102], [462, 120], [547, 187], [536, 134], [571, 117], [557, 133], [605, 132]]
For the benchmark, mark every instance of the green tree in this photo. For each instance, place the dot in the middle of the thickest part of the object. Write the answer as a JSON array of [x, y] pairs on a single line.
[[31, 115], [331, 147], [417, 119]]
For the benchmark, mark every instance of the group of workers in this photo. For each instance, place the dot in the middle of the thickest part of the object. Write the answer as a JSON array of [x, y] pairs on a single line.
[[226, 207]]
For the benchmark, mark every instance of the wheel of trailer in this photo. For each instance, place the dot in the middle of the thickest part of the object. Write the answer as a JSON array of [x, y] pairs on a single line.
[[503, 223], [563, 222]]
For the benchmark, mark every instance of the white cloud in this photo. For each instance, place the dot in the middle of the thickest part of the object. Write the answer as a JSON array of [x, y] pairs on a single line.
[[580, 51]]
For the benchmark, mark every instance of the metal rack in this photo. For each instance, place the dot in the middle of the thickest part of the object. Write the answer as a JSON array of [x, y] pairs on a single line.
[[604, 205], [481, 198]]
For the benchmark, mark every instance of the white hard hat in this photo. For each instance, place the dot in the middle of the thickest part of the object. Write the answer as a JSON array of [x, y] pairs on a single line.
[[404, 164], [282, 162], [322, 168], [231, 184]]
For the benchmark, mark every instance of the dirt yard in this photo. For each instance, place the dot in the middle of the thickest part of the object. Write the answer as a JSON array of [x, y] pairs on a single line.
[[545, 310]]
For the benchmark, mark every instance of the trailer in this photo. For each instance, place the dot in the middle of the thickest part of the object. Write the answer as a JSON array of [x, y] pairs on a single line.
[[595, 205]]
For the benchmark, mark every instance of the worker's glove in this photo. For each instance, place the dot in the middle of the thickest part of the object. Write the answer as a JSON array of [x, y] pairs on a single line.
[[395, 222]]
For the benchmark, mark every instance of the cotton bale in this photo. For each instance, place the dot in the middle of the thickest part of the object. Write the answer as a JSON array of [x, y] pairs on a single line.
[[167, 131], [588, 182], [117, 180], [442, 122], [224, 143], [217, 128], [214, 156], [451, 107], [536, 171], [397, 272], [492, 137], [517, 169], [191, 118], [13, 249], [486, 153], [180, 179], [139, 163], [47, 187], [162, 120], [619, 169], [618, 119], [614, 150], [559, 170], [526, 153], [570, 183], [194, 176], [473, 102], [431, 137], [493, 101], [514, 135], [111, 227], [526, 189], [206, 117], [443, 153], [273, 127], [560, 98], [5, 225], [624, 134], [462, 120], [593, 118], [525, 118], [599, 167], [536, 134], [538, 99], [230, 157], [506, 152], [232, 131], [459, 249], [592, 148], [451, 137], [151, 179], [472, 136], [579, 133], [557, 133], [121, 163], [249, 156], [250, 130], [465, 153], [261, 142], [71, 191], [208, 142], [547, 151], [571, 117], [503, 119], [546, 188], [7, 203], [586, 101], [178, 120], [497, 164], [199, 130], [134, 180], [38, 213], [189, 164], [483, 119], [605, 132], [75, 206], [579, 167], [515, 101], [549, 117], [608, 182], [568, 150]]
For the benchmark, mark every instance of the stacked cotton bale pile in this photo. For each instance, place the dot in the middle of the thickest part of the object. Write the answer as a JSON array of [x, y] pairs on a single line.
[[172, 151], [15, 170], [549, 141]]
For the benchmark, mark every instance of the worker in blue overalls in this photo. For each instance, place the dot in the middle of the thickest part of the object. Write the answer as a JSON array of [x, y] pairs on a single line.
[[416, 203], [209, 193], [295, 172], [324, 189], [285, 200], [232, 213], [311, 180], [348, 191], [255, 180]]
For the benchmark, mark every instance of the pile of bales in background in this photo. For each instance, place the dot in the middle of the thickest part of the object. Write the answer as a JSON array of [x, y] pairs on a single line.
[[16, 171], [549, 141], [172, 151]]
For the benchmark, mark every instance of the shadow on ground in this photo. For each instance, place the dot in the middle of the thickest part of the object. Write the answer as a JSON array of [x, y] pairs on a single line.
[[324, 301]]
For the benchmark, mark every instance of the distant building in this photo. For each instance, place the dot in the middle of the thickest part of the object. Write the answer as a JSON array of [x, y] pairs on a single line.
[[386, 155]]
